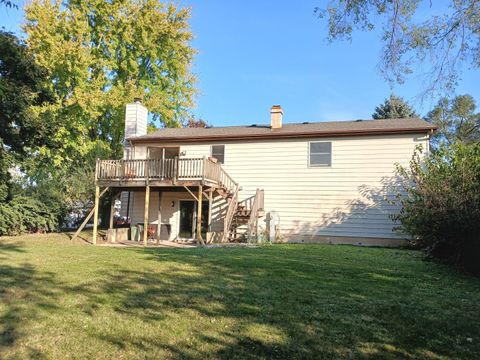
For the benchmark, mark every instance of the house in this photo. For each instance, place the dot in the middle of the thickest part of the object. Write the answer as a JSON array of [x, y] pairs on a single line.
[[298, 182]]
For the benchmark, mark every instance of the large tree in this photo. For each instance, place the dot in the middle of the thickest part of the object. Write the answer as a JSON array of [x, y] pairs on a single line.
[[22, 87], [441, 42], [394, 107], [456, 119], [102, 54]]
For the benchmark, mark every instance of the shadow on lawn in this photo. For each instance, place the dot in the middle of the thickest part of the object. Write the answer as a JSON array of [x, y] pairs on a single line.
[[19, 286], [276, 306], [271, 303]]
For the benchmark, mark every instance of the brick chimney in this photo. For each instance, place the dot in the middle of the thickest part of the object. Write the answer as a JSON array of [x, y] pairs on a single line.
[[136, 117], [276, 115]]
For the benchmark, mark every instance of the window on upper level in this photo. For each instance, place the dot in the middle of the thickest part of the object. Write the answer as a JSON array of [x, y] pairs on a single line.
[[218, 152], [320, 154]]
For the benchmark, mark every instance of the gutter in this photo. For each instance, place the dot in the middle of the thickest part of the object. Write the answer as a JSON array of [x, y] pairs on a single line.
[[344, 133]]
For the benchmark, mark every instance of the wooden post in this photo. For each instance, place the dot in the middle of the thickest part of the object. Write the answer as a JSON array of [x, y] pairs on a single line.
[[112, 210], [204, 166], [159, 226], [175, 170], [89, 216], [199, 215], [145, 217], [95, 214], [210, 203]]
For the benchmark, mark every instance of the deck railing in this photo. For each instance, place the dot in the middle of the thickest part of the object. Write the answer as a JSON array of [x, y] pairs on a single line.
[[231, 208], [176, 169], [255, 207]]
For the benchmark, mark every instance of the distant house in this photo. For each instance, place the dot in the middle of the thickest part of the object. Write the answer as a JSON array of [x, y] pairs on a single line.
[[299, 182]]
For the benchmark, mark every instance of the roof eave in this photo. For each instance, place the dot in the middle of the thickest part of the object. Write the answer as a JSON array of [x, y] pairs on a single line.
[[139, 140]]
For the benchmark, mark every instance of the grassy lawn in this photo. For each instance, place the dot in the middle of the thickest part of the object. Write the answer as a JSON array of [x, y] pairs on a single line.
[[59, 300]]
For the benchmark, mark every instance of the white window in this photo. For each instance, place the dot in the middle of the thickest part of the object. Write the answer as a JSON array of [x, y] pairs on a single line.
[[320, 154], [218, 152]]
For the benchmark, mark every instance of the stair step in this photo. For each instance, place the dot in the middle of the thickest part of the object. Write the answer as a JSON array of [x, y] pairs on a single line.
[[241, 215]]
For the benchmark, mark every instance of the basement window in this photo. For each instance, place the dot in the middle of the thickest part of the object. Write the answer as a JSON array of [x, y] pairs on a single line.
[[218, 152], [320, 154]]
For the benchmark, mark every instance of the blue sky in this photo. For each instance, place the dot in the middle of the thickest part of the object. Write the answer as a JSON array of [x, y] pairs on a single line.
[[253, 54]]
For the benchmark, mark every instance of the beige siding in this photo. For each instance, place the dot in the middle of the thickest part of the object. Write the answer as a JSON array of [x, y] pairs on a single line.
[[169, 213], [346, 199], [169, 210]]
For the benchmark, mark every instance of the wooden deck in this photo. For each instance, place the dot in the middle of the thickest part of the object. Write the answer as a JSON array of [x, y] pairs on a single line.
[[202, 171], [198, 176]]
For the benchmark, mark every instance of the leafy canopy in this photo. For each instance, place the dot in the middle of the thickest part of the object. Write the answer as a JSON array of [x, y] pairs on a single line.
[[26, 214], [193, 122], [441, 42], [441, 211], [22, 86], [456, 119], [100, 55], [394, 108]]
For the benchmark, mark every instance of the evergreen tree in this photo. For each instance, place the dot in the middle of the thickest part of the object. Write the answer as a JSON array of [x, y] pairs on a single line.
[[394, 108]]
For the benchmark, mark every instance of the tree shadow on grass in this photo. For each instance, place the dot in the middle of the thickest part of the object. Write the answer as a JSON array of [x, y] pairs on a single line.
[[282, 304], [20, 287], [272, 302]]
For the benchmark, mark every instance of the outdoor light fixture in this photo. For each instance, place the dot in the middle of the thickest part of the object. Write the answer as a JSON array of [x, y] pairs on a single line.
[[173, 203]]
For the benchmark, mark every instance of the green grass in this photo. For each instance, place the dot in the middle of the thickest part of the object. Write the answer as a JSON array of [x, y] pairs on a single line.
[[59, 300]]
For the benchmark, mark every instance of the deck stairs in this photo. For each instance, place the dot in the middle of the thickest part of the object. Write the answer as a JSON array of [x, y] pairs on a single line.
[[241, 219]]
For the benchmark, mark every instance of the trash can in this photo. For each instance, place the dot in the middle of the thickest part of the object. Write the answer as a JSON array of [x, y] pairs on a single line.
[[140, 228], [134, 233]]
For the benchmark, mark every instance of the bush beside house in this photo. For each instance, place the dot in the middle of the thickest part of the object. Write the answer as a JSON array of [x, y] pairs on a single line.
[[441, 211], [25, 214]]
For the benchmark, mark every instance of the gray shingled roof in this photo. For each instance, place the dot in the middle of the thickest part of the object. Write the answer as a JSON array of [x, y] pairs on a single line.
[[337, 128]]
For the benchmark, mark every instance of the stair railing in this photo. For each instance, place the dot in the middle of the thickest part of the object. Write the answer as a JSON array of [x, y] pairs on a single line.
[[231, 209], [257, 205]]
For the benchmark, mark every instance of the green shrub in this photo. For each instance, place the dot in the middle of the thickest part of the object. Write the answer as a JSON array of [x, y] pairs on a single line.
[[25, 214], [441, 204]]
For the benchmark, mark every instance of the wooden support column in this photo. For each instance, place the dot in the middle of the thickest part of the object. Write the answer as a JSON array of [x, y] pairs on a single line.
[[145, 215], [209, 228], [159, 218], [87, 219], [199, 215], [112, 210], [95, 214], [210, 203]]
